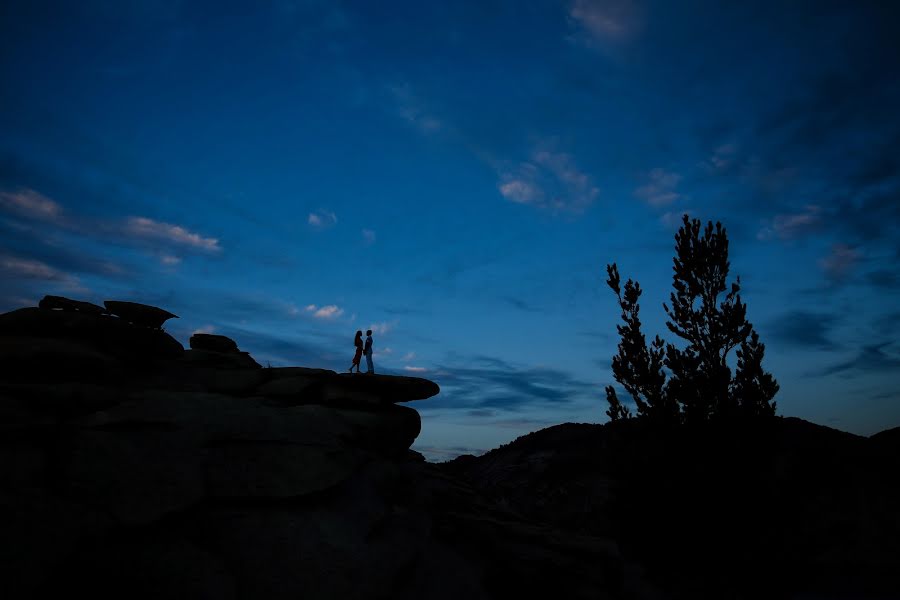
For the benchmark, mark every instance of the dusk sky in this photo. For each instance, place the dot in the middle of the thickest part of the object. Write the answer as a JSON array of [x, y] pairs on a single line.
[[456, 176]]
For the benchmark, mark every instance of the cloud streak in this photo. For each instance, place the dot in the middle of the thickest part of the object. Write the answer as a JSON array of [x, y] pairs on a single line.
[[17, 269], [870, 358], [157, 231], [31, 204], [550, 181], [660, 188], [31, 269], [804, 329], [322, 219], [840, 262], [412, 110], [492, 383], [793, 225], [325, 313], [605, 21]]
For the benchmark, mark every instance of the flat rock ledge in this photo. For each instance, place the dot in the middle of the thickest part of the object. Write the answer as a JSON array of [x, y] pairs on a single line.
[[66, 340]]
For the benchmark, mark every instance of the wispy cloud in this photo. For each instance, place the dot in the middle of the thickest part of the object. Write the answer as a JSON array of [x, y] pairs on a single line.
[[412, 110], [165, 242], [804, 329], [491, 383], [27, 268], [792, 225], [549, 180], [368, 236], [32, 269], [840, 261], [723, 158], [878, 357], [381, 328], [31, 204], [149, 229], [414, 369], [518, 189], [327, 312], [604, 21], [659, 190], [322, 219]]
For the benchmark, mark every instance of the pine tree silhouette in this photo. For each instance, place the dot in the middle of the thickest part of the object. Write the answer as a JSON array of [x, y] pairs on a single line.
[[699, 386]]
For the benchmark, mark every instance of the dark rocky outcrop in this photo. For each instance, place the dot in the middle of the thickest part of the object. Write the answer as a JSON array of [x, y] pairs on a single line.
[[134, 469], [218, 351], [214, 343], [63, 303], [773, 509], [57, 339], [139, 314]]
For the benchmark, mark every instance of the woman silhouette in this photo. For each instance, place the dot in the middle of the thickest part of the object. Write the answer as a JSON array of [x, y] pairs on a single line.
[[357, 341]]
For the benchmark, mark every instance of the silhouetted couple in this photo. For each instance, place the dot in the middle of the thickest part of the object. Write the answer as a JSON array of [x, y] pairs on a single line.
[[361, 350]]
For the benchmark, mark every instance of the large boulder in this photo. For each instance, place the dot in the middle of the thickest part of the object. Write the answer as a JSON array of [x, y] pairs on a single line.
[[63, 303], [235, 448], [104, 333], [215, 343], [139, 314], [392, 388], [386, 428]]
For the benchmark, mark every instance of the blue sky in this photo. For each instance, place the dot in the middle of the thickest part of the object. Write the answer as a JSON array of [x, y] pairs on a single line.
[[456, 176]]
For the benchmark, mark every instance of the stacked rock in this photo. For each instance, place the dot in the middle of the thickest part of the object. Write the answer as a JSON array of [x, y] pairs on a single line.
[[218, 351], [144, 440], [70, 340], [139, 314], [198, 474]]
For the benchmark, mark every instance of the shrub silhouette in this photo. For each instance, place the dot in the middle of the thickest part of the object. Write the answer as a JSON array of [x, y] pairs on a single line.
[[692, 384]]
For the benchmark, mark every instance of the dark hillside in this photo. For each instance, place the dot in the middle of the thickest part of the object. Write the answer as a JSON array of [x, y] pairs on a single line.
[[769, 510]]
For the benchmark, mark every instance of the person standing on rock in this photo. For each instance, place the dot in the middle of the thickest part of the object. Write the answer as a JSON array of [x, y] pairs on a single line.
[[357, 341], [370, 368]]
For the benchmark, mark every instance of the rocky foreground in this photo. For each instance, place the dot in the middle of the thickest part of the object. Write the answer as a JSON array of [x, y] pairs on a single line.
[[135, 468]]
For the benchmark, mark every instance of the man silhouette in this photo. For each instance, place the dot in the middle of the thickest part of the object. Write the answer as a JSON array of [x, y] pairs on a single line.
[[370, 368]]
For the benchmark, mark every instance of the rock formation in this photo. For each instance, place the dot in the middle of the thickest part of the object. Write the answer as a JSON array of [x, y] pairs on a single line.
[[218, 351], [133, 468], [139, 314], [61, 303]]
